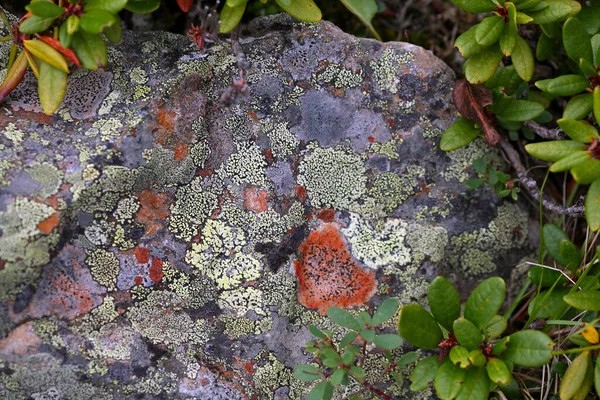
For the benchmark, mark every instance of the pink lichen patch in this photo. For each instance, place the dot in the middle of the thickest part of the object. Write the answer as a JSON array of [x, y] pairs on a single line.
[[328, 275], [156, 272], [20, 342], [142, 254], [255, 199]]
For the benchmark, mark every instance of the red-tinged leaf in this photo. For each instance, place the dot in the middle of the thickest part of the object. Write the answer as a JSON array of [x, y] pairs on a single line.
[[14, 76], [185, 5], [470, 101], [70, 54]]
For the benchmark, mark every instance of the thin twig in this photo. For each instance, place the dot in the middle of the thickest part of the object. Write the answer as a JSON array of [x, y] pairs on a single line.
[[553, 134]]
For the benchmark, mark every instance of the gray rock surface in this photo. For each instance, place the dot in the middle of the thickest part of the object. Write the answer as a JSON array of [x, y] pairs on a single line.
[[166, 236]]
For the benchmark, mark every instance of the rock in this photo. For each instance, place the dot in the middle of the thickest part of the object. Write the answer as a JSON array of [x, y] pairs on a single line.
[[170, 235]]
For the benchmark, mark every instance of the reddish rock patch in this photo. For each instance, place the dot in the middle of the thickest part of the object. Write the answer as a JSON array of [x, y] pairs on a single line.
[[255, 199], [327, 273], [156, 272], [154, 209], [142, 254], [326, 215]]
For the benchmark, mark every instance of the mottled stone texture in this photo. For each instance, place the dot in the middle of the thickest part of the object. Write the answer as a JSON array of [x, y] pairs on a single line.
[[161, 240]]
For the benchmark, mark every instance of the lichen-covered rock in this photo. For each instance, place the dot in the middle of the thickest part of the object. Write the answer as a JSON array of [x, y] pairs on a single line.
[[166, 235]]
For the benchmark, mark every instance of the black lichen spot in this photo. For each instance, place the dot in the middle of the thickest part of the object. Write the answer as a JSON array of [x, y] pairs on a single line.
[[410, 86], [278, 254], [157, 351]]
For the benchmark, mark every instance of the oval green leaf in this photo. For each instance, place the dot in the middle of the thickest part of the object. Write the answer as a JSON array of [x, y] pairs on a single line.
[[579, 107], [489, 30], [112, 6], [522, 59], [592, 206], [448, 380], [553, 236], [231, 16], [485, 301], [387, 341], [588, 300], [467, 44], [90, 50], [556, 11], [459, 356], [52, 86], [522, 110], [481, 67], [554, 150], [114, 33], [343, 318], [596, 101], [304, 10], [142, 6], [365, 10], [46, 53], [529, 348], [459, 134], [570, 161], [476, 386], [323, 391], [565, 85], [467, 334], [475, 6], [495, 327], [35, 24], [423, 373], [418, 327], [95, 21], [45, 9], [385, 311], [65, 38], [575, 375], [587, 171], [547, 304], [307, 372], [498, 372], [576, 41], [444, 301], [578, 130]]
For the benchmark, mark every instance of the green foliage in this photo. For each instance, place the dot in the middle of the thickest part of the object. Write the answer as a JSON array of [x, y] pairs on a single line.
[[497, 180]]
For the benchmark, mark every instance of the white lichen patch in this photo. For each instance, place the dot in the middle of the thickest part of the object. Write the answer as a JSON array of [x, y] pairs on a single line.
[[283, 142], [104, 267], [242, 300], [192, 207], [378, 247], [429, 240], [385, 69], [247, 165]]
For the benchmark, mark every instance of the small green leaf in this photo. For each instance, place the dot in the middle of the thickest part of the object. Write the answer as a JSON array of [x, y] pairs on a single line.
[[387, 341], [579, 107], [45, 9], [556, 11], [523, 18], [467, 44], [477, 358], [527, 4], [35, 24], [553, 150], [474, 183], [90, 50], [343, 318], [385, 311], [547, 304], [495, 327], [65, 38], [444, 302], [597, 375], [142, 6], [508, 39], [529, 348], [448, 380], [489, 30], [304, 10], [347, 339], [307, 372], [331, 358], [476, 385], [467, 334], [323, 391], [596, 102], [575, 376], [338, 376], [553, 236], [501, 345], [237, 3], [365, 10], [316, 332], [52, 86], [545, 47], [589, 16], [588, 300], [368, 335], [596, 45], [358, 372], [408, 358], [114, 33], [576, 41], [522, 59], [570, 161], [485, 301], [423, 373], [95, 21], [570, 254], [578, 130], [459, 356], [231, 16], [565, 85], [592, 206], [587, 171], [475, 6], [459, 134], [498, 372], [72, 24], [522, 110], [112, 6], [481, 67], [418, 327]]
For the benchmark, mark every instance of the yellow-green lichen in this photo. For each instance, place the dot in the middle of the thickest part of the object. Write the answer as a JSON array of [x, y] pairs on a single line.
[[104, 267], [385, 69], [429, 240], [49, 176], [283, 142], [247, 165], [192, 207], [241, 300], [389, 148], [338, 76]]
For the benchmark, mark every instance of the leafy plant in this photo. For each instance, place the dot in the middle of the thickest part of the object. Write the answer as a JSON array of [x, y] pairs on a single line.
[[497, 180]]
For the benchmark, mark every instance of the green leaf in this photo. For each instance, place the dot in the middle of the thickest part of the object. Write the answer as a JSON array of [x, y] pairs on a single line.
[[316, 332], [237, 3], [323, 391], [592, 206], [489, 30], [408, 358], [35, 24], [358, 372], [498, 372], [387, 341], [72, 24], [477, 358], [459, 356], [385, 311], [547, 304], [556, 11], [114, 33], [350, 354], [365, 10], [522, 59], [467, 44], [14, 75], [589, 16], [552, 30], [485, 301], [553, 150], [307, 372], [304, 10], [343, 318], [142, 6], [522, 110], [65, 38], [448, 380], [475, 6], [529, 348], [575, 375], [95, 21], [338, 376], [588, 300], [596, 45], [597, 375], [501, 345], [474, 183], [596, 102], [476, 385], [467, 334], [578, 130], [565, 85], [553, 236], [508, 39], [45, 9], [495, 327], [231, 16], [90, 50], [46, 53], [112, 6], [347, 339], [481, 67], [459, 134], [52, 86], [368, 335], [576, 41], [570, 254], [423, 373], [570, 161], [331, 358], [444, 302], [364, 318], [527, 4], [579, 107], [545, 47], [586, 172], [418, 327]]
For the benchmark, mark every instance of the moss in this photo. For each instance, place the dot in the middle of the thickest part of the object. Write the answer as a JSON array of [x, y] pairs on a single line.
[[332, 178], [378, 247], [104, 267]]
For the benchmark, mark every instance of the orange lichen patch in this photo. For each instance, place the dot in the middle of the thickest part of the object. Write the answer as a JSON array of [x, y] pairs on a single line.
[[165, 120], [301, 193], [328, 275], [138, 280], [154, 209], [48, 225], [255, 199], [19, 342], [142, 254], [326, 215], [156, 272], [252, 115], [181, 150]]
